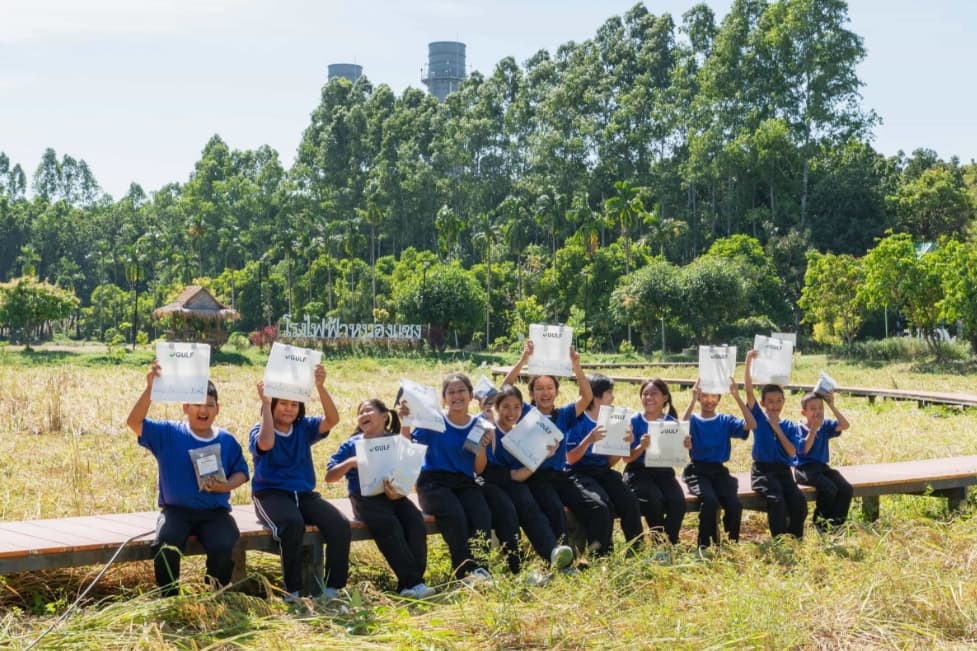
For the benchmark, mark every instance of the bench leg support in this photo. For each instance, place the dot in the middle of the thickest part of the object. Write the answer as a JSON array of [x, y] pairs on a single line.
[[240, 571], [870, 507], [956, 498]]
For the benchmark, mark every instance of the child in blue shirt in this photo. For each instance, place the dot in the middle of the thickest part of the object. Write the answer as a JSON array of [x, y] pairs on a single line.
[[284, 492], [773, 456], [446, 486], [707, 476], [834, 493], [396, 524], [660, 497], [607, 495], [188, 508], [552, 487]]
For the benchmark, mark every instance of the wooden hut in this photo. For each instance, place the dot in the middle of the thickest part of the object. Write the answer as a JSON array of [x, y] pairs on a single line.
[[196, 315]]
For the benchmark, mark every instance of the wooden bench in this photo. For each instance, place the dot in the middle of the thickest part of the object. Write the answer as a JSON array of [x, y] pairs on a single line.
[[70, 542], [921, 398]]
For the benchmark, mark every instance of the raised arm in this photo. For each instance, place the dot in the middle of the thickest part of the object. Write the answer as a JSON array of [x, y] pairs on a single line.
[[513, 376], [139, 410], [695, 398], [843, 423], [330, 415], [266, 434], [749, 420], [748, 379], [784, 440], [599, 433], [586, 393]]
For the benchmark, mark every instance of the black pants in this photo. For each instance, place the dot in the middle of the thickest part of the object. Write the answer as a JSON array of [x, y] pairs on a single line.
[[528, 512], [616, 498], [397, 527], [217, 532], [555, 491], [505, 522], [660, 497], [461, 512], [715, 488], [287, 514], [786, 506], [833, 492]]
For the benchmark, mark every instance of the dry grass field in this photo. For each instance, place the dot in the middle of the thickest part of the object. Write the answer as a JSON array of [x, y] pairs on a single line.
[[906, 581]]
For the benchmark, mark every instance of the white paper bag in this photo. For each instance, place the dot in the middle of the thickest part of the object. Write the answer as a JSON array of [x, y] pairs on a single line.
[[786, 336], [667, 449], [484, 389], [408, 468], [290, 372], [551, 350], [376, 460], [528, 440], [184, 370], [424, 404], [775, 361], [615, 420], [826, 384], [717, 364]]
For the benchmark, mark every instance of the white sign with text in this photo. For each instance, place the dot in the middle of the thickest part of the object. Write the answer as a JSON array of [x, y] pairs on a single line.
[[184, 370], [290, 372]]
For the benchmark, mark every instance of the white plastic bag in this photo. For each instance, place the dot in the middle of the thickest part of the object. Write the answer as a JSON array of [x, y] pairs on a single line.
[[775, 361], [615, 420], [528, 440], [786, 336], [376, 460], [551, 350], [826, 384], [484, 389], [290, 372], [184, 370], [408, 468], [717, 364], [667, 449], [424, 404]]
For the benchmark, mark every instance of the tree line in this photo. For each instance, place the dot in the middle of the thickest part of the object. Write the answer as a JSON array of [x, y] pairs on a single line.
[[558, 189]]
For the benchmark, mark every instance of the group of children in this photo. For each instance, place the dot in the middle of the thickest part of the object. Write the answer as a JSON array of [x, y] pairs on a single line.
[[475, 489]]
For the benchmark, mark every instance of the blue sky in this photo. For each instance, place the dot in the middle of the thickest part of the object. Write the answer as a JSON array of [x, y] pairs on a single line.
[[137, 87]]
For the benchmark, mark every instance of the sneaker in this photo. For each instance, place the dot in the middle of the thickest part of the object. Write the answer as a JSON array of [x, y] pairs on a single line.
[[478, 576], [419, 591], [561, 557], [570, 571], [291, 597], [663, 557], [536, 579], [328, 594]]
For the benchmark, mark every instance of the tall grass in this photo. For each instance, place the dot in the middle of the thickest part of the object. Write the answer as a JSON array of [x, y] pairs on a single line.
[[906, 581]]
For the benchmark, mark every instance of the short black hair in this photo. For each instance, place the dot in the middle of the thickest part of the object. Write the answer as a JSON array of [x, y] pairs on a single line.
[[212, 391], [770, 388], [301, 414], [599, 385]]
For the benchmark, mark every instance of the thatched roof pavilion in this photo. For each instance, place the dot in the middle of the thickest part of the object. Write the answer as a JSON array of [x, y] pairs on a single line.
[[201, 316]]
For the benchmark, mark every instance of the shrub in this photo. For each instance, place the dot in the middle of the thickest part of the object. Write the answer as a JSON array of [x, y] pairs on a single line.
[[237, 341]]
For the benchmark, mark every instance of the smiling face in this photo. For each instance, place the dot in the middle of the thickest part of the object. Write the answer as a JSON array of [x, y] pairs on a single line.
[[201, 417], [507, 412], [370, 420], [456, 396], [773, 403], [653, 401], [285, 413], [708, 402], [544, 393], [813, 411]]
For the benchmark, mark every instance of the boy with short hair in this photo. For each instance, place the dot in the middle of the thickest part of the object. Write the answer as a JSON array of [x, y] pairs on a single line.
[[773, 456], [188, 508], [707, 476], [834, 493]]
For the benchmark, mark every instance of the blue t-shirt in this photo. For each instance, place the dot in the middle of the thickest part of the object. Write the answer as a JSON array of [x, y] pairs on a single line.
[[446, 450], [288, 465], [639, 427], [766, 446], [347, 450], [711, 436], [171, 442], [576, 435], [819, 450], [565, 418], [499, 456]]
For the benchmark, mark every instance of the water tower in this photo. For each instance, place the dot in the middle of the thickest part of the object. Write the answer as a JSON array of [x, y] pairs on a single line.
[[349, 71], [445, 67]]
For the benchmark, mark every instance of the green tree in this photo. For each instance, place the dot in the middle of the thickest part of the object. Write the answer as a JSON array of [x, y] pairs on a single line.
[[647, 296], [830, 298], [933, 205], [712, 292], [27, 306], [445, 297]]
